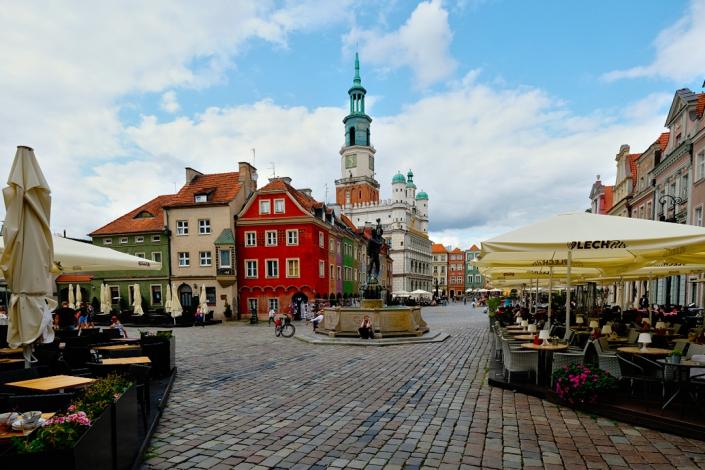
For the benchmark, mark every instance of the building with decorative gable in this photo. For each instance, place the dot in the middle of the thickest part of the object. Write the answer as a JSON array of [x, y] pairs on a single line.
[[624, 184], [404, 216], [473, 277], [456, 273], [440, 270]]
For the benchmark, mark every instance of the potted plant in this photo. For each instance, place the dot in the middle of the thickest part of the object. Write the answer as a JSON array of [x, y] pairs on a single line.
[[675, 357], [578, 384], [160, 347]]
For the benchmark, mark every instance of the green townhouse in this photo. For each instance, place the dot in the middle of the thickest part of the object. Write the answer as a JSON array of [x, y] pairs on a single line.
[[141, 232], [473, 278]]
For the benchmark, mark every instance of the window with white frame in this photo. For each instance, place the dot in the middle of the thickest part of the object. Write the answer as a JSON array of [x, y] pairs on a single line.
[[182, 227], [321, 240], [337, 247], [331, 244], [684, 186], [265, 206], [139, 239], [250, 238], [206, 258], [292, 267], [272, 268], [292, 237], [321, 268], [251, 268], [204, 226], [114, 294], [123, 240], [252, 304], [700, 166], [201, 198], [340, 274], [478, 278], [156, 294], [156, 238], [273, 304], [279, 206], [107, 241], [270, 237], [157, 256], [184, 259], [140, 255], [698, 218], [225, 258]]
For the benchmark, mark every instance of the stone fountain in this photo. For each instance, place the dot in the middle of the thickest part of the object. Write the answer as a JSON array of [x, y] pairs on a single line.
[[386, 321]]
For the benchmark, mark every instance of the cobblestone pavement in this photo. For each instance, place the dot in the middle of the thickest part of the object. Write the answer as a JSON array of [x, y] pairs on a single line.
[[246, 399]]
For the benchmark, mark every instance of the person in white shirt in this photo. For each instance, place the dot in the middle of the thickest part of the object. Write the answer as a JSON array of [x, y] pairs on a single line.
[[318, 319], [271, 316]]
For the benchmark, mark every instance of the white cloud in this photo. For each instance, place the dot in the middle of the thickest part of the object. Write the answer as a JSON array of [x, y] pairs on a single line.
[[680, 55], [422, 44], [169, 102]]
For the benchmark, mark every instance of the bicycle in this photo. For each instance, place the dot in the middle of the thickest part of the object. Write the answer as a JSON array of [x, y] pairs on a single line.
[[286, 329]]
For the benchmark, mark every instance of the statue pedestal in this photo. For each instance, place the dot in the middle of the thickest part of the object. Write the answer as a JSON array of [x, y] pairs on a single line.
[[386, 322], [371, 303]]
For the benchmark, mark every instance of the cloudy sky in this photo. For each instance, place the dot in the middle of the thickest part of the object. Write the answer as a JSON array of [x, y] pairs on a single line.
[[505, 109]]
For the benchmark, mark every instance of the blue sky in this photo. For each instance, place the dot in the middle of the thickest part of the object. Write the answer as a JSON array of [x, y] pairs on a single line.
[[505, 109]]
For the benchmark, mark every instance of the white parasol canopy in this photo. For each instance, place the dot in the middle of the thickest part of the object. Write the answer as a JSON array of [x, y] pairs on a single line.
[[27, 262], [137, 301], [401, 293], [420, 292], [176, 308], [72, 297], [75, 256]]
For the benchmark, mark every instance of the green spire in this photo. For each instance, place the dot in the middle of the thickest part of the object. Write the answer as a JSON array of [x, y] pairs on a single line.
[[356, 80]]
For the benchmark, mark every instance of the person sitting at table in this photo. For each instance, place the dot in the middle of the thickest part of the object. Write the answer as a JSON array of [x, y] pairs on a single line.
[[65, 317], [365, 329], [115, 323]]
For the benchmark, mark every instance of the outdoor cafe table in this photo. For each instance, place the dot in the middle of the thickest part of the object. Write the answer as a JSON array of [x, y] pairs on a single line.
[[118, 347], [125, 340], [682, 370], [525, 337], [52, 383], [120, 361], [636, 350], [545, 356], [10, 351], [517, 332]]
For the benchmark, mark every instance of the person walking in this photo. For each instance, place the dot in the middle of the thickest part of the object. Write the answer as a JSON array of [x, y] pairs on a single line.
[[271, 316]]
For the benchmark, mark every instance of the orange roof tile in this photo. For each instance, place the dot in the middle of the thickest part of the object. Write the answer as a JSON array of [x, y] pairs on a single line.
[[700, 106], [135, 222], [66, 278], [221, 188], [632, 158], [438, 248], [457, 250], [349, 223], [304, 200], [663, 140], [474, 248]]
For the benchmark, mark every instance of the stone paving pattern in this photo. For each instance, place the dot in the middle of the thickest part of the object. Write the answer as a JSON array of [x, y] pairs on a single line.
[[245, 399]]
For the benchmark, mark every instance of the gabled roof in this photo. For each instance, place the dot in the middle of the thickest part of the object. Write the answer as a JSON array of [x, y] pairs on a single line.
[[220, 188], [348, 223], [474, 248], [631, 159], [438, 248], [307, 202], [148, 217], [663, 140], [700, 106], [457, 250], [225, 238], [683, 98]]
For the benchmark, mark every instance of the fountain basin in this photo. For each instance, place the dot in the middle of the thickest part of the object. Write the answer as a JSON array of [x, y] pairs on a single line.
[[387, 322]]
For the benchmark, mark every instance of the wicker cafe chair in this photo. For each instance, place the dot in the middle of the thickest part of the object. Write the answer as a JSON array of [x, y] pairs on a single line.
[[562, 359], [695, 350], [633, 373], [517, 360]]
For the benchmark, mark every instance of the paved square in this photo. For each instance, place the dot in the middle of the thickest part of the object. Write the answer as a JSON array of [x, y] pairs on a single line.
[[245, 399]]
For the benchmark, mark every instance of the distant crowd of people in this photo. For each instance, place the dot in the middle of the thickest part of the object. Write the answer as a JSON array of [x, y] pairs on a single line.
[[67, 318]]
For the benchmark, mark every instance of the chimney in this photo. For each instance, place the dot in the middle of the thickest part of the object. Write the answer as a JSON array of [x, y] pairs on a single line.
[[285, 179], [247, 177], [306, 191], [191, 174]]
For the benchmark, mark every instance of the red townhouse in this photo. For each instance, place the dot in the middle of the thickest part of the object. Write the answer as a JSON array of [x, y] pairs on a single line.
[[282, 237]]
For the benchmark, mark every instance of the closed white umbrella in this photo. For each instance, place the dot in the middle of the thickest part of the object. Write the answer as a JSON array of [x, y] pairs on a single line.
[[167, 299], [79, 296], [137, 301], [176, 308], [106, 302], [27, 262], [72, 297], [203, 301]]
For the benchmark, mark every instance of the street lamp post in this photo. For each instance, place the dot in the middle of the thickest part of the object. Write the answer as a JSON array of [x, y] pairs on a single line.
[[675, 201]]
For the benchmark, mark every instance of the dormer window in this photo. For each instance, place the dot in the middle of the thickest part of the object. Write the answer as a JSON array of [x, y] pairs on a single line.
[[201, 198]]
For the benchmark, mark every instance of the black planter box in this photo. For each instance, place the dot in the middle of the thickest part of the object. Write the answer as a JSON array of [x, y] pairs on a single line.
[[125, 431], [162, 352], [90, 452]]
